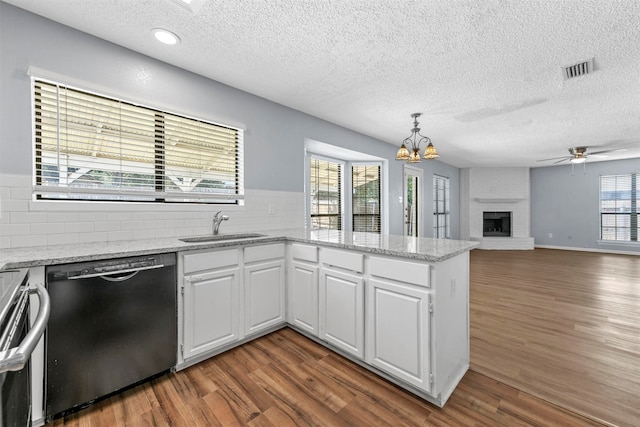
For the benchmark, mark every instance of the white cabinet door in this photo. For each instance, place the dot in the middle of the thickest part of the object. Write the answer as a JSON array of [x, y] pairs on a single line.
[[303, 297], [212, 310], [264, 295], [342, 310], [398, 321]]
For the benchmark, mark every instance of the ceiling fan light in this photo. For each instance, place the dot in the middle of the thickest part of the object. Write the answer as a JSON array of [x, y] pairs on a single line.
[[578, 160]]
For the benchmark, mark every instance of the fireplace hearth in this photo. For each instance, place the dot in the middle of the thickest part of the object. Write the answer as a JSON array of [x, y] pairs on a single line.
[[496, 224]]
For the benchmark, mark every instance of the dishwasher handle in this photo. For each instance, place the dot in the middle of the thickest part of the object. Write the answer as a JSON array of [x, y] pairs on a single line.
[[14, 359], [106, 275]]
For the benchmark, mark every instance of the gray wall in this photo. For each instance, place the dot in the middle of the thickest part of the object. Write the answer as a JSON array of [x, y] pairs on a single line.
[[274, 138], [567, 206]]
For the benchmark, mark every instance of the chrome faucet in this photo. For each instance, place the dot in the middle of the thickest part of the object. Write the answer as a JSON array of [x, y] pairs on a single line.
[[217, 219]]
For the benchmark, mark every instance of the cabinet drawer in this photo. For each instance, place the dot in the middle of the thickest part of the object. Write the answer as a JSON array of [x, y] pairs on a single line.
[[403, 271], [210, 260], [263, 252], [348, 260], [304, 252]]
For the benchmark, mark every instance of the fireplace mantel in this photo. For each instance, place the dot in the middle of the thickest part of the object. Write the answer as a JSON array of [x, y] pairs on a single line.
[[497, 200]]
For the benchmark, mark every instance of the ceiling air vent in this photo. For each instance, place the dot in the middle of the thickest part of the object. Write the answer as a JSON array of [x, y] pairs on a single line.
[[577, 70]]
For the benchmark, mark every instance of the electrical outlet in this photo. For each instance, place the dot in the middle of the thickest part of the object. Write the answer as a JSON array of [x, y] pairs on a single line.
[[551, 235], [271, 209]]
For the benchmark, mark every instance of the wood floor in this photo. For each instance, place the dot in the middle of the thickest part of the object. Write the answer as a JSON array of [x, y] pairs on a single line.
[[561, 325], [285, 379]]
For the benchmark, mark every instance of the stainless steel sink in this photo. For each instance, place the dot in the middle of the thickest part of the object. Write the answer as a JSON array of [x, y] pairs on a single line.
[[220, 237]]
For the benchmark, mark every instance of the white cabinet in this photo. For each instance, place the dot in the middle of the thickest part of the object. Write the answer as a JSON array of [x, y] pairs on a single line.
[[342, 301], [398, 321], [264, 287], [302, 297], [229, 294], [211, 301], [406, 319]]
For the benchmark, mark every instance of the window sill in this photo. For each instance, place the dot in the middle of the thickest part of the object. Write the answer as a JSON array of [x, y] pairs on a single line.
[[617, 243], [85, 206]]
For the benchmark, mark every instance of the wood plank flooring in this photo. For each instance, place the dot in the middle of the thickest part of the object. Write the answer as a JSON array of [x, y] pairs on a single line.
[[285, 379], [560, 325]]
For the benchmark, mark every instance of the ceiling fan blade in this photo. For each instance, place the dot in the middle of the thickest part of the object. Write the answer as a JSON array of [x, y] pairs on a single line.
[[607, 151], [554, 158], [560, 161]]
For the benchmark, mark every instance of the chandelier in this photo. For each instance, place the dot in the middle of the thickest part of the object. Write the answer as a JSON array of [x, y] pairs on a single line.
[[412, 154]]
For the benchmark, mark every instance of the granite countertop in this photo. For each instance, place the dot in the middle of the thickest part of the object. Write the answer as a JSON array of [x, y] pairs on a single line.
[[426, 249]]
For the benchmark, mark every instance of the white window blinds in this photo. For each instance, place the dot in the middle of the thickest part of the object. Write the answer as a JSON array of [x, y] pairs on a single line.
[[366, 198], [325, 194], [619, 207], [91, 147]]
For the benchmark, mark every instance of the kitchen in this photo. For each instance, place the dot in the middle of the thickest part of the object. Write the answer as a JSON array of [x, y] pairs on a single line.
[[272, 201]]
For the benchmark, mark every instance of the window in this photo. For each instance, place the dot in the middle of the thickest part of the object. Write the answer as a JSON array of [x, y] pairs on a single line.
[[365, 209], [441, 215], [619, 207], [91, 147], [325, 194], [344, 189], [333, 208]]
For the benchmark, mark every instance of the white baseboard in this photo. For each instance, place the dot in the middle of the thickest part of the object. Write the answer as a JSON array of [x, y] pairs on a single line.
[[606, 251]]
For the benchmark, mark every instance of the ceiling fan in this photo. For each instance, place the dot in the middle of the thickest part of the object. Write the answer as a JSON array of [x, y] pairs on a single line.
[[579, 155]]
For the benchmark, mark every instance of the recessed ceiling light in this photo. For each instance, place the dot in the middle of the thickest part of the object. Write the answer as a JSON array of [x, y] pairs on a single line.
[[165, 36]]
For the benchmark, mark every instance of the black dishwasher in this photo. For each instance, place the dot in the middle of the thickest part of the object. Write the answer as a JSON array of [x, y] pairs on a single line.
[[113, 324]]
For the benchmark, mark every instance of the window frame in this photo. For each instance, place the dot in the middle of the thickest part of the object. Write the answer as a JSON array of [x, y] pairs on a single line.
[[347, 157], [380, 194], [446, 214], [155, 194], [341, 190], [633, 213]]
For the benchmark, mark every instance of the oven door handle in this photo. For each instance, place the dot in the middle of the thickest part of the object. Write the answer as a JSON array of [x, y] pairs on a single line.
[[14, 359]]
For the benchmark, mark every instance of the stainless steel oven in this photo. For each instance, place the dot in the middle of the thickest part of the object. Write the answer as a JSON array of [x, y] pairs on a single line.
[[17, 342]]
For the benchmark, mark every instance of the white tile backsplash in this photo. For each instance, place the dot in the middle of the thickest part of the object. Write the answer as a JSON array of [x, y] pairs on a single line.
[[14, 229], [63, 239], [27, 223]]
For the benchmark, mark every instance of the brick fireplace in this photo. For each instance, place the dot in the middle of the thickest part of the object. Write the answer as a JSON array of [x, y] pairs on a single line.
[[487, 195]]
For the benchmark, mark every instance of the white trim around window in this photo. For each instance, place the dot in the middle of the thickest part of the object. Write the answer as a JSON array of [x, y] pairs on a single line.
[[323, 151], [90, 147]]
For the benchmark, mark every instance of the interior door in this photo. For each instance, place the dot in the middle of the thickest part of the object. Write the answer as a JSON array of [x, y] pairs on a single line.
[[412, 184]]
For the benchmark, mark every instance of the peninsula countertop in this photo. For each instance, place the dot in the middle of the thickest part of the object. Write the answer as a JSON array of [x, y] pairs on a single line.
[[420, 248]]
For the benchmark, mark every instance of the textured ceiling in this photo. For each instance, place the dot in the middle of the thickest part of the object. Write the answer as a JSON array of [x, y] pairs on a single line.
[[486, 74]]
